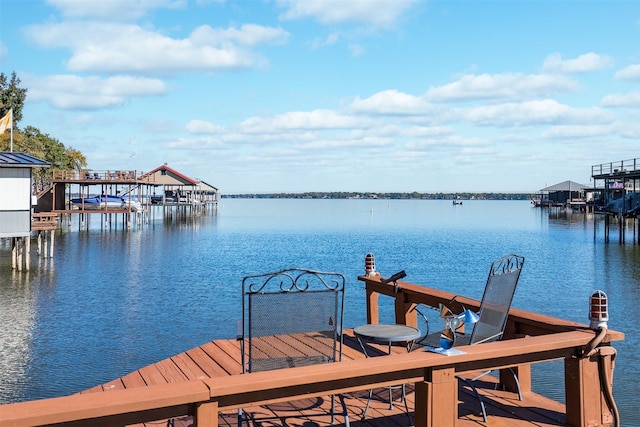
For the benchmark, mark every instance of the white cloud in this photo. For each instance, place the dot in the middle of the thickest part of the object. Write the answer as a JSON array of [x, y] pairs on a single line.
[[530, 113], [391, 102], [247, 35], [500, 86], [69, 92], [631, 73], [107, 47], [578, 131], [584, 63], [112, 9], [302, 120], [622, 100], [376, 13], [330, 40], [203, 127], [203, 143]]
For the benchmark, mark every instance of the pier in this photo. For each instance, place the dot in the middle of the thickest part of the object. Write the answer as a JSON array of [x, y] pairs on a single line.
[[204, 386], [619, 183]]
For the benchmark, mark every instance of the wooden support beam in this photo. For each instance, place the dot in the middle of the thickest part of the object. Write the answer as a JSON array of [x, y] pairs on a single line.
[[436, 400], [585, 401], [206, 415], [372, 306]]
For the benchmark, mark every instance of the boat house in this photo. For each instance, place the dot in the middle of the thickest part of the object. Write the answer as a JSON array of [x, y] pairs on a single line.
[[621, 186], [566, 194], [179, 189], [16, 176]]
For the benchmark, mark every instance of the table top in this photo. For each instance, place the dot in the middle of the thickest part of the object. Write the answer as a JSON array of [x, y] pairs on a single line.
[[387, 333]]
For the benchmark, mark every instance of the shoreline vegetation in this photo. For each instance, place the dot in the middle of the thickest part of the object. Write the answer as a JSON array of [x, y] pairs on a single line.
[[368, 195]]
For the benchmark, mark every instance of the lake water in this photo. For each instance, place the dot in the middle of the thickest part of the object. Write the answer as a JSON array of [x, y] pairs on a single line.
[[113, 300]]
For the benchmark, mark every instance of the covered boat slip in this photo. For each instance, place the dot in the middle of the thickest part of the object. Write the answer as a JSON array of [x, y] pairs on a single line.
[[204, 385]]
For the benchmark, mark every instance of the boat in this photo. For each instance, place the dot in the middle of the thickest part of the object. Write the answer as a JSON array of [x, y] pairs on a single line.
[[99, 202], [133, 204], [627, 205], [457, 202]]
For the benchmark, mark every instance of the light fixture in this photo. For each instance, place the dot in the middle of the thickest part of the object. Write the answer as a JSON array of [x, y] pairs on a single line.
[[369, 265], [598, 310]]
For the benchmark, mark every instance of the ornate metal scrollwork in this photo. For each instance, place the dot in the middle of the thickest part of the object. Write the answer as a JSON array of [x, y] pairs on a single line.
[[293, 280]]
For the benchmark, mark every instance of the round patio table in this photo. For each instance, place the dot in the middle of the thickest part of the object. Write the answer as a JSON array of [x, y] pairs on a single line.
[[388, 334]]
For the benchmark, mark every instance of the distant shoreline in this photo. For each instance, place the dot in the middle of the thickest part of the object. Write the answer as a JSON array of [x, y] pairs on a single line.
[[368, 195]]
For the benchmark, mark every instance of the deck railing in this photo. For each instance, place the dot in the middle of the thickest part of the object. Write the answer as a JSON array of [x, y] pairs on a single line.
[[132, 176], [531, 338], [620, 167]]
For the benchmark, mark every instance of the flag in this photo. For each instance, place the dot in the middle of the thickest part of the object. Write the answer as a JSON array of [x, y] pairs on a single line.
[[5, 122]]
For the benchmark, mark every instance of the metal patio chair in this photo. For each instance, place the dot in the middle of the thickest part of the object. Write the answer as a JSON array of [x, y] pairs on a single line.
[[291, 318], [494, 311]]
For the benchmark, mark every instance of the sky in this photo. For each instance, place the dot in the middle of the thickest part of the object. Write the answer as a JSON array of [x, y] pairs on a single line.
[[269, 96]]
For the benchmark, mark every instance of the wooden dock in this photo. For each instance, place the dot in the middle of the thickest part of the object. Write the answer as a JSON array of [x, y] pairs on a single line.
[[204, 386], [221, 358]]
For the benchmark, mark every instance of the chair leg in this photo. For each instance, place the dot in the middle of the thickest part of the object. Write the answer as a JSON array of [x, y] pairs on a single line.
[[366, 407], [404, 398], [475, 391], [240, 417], [344, 410], [515, 378]]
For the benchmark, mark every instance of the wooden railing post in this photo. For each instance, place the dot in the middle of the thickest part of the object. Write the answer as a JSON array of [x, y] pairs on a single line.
[[372, 306], [405, 315], [436, 399], [585, 402], [206, 414]]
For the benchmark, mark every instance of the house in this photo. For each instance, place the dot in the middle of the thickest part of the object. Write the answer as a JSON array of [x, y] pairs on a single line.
[[16, 182]]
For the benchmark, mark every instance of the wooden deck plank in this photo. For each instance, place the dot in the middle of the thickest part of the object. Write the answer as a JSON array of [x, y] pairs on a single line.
[[206, 363], [152, 375], [170, 371], [231, 348], [113, 385], [133, 379], [231, 365], [188, 367]]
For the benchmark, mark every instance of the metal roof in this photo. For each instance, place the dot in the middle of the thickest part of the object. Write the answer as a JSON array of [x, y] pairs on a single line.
[[170, 177], [566, 186], [21, 160]]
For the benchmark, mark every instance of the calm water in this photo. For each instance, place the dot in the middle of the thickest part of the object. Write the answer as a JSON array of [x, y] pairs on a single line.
[[113, 300]]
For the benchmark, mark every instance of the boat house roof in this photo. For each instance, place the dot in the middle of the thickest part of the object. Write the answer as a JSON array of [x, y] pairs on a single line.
[[565, 186], [164, 175], [203, 186], [12, 159]]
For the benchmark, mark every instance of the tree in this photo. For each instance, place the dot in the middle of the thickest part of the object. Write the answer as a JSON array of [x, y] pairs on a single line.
[[12, 97], [30, 140]]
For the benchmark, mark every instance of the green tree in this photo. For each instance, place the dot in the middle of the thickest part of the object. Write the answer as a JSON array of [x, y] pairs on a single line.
[[47, 148], [31, 140], [12, 96]]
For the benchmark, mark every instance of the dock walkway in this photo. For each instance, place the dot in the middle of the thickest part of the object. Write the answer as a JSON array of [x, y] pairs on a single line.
[[221, 358]]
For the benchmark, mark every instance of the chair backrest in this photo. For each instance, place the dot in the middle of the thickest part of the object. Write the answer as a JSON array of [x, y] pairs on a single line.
[[496, 300], [291, 317]]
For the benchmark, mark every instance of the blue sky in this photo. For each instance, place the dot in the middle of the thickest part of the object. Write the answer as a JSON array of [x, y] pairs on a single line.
[[334, 95]]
